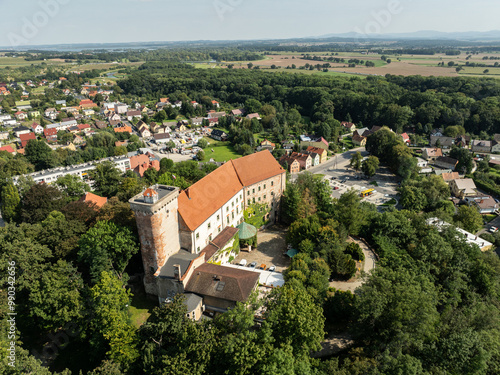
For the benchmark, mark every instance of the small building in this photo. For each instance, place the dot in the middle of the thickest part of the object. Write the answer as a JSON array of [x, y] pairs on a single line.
[[431, 153], [18, 131], [485, 204], [194, 306], [481, 146], [145, 133], [450, 176], [359, 140], [441, 141], [348, 126], [309, 140], [422, 163], [25, 138], [446, 162], [292, 165], [317, 150], [37, 128], [253, 116], [304, 160], [94, 200], [406, 138], [218, 135], [463, 187], [495, 147], [470, 238]]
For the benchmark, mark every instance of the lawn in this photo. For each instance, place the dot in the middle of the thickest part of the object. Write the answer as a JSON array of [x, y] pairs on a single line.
[[488, 217], [223, 151], [140, 309]]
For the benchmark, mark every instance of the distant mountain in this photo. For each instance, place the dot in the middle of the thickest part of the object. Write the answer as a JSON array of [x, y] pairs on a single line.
[[493, 35]]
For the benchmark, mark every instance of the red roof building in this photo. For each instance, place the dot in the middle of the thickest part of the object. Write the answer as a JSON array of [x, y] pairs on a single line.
[[25, 138]]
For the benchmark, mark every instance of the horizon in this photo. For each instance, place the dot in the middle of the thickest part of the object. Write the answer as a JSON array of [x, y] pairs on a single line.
[[64, 22]]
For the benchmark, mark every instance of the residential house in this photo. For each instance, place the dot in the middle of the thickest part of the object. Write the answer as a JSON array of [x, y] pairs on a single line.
[[442, 141], [67, 123], [122, 129], [237, 112], [25, 138], [101, 125], [253, 115], [133, 114], [162, 138], [348, 126], [267, 145], [155, 128], [50, 134], [218, 135], [177, 104], [21, 130], [194, 306], [8, 149], [481, 146], [88, 112], [448, 177], [304, 160], [287, 146], [320, 151], [51, 113], [463, 187], [495, 147], [431, 153], [114, 117], [446, 162], [213, 114], [359, 140], [85, 128], [78, 140], [197, 121], [181, 126], [422, 163], [94, 200], [141, 163], [309, 140], [71, 111], [62, 103], [87, 103], [145, 132], [215, 103], [406, 138], [291, 164], [315, 158], [37, 128], [470, 238], [485, 204], [34, 114]]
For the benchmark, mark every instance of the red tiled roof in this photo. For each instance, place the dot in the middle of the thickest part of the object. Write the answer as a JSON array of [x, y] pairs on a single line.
[[256, 167], [202, 199], [94, 199], [49, 132], [7, 148], [25, 138], [149, 193]]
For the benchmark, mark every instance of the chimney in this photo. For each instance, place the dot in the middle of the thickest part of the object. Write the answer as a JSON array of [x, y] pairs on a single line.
[[177, 272]]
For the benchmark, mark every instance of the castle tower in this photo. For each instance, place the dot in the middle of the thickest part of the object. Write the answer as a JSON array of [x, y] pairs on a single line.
[[157, 223]]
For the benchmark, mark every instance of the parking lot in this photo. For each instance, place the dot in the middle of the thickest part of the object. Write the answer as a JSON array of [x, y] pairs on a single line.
[[342, 180], [271, 246]]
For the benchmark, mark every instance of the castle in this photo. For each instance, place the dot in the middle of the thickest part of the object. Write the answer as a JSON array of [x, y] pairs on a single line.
[[181, 231]]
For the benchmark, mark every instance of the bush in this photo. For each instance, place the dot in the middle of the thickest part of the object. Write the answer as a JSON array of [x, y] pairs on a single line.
[[355, 251]]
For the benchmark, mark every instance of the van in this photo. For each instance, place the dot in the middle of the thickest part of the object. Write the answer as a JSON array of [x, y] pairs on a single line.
[[243, 262]]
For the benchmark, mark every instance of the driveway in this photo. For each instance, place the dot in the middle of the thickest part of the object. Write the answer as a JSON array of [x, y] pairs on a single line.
[[368, 265]]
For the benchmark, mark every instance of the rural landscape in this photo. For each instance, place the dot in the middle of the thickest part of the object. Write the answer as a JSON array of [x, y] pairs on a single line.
[[239, 200]]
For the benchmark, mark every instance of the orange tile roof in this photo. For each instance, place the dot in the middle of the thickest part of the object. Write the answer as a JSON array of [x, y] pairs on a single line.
[[202, 199], [94, 199], [257, 167]]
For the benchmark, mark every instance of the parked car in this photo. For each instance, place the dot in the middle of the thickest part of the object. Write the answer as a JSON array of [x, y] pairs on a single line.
[[272, 268], [243, 262], [252, 265], [493, 229], [262, 267], [335, 188]]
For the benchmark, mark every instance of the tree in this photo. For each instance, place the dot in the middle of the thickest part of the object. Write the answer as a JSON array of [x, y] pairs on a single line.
[[39, 154], [412, 198], [39, 202], [200, 155], [61, 235], [203, 143], [294, 319], [355, 251], [109, 321], [370, 166], [356, 160], [166, 164], [10, 202], [468, 218], [54, 296], [107, 178], [106, 247], [464, 157], [73, 186]]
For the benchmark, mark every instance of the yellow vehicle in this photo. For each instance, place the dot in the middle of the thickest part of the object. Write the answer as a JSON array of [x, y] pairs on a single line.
[[366, 193]]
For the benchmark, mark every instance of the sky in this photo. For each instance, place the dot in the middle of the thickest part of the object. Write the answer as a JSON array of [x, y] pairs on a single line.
[[36, 22]]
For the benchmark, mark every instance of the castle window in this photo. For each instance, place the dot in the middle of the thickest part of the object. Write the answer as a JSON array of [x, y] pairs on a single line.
[[249, 201], [198, 249], [227, 219], [219, 229], [237, 208], [259, 199], [232, 204], [218, 217], [208, 225], [236, 199], [197, 235], [264, 186], [253, 191], [272, 183], [241, 197], [254, 200], [210, 237], [264, 196], [259, 188], [272, 192], [232, 214]]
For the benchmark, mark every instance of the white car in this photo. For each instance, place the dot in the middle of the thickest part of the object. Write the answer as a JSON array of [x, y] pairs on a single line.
[[493, 229], [243, 262], [272, 268]]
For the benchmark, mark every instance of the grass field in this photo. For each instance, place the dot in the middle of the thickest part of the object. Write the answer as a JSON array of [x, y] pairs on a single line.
[[223, 151], [140, 309]]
